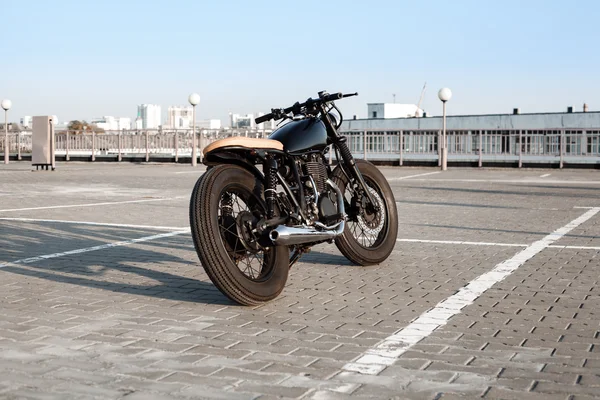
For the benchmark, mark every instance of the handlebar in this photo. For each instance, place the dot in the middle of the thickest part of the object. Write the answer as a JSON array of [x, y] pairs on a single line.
[[278, 113], [264, 118]]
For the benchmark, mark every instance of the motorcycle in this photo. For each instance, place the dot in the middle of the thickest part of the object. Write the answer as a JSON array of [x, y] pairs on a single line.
[[261, 200]]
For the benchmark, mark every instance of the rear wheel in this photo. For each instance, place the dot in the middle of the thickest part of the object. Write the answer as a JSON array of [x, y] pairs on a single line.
[[226, 202], [369, 237]]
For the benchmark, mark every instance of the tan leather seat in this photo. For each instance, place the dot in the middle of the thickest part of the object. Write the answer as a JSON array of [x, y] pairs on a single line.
[[251, 143]]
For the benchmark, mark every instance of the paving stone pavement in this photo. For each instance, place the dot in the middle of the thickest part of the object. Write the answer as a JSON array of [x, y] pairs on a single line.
[[143, 321]]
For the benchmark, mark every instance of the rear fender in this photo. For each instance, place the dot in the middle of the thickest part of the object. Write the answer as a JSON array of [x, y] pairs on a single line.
[[241, 157]]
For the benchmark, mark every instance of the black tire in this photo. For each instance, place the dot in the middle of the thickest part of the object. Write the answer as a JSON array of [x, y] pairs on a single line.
[[221, 250], [360, 250]]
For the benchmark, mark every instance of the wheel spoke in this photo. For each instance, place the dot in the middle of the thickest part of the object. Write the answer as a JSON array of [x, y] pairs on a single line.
[[234, 206]]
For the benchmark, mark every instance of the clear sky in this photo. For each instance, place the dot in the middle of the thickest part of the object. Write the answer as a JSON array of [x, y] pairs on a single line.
[[84, 58]]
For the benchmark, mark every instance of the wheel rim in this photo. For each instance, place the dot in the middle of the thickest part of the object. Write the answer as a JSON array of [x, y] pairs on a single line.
[[237, 209], [368, 230]]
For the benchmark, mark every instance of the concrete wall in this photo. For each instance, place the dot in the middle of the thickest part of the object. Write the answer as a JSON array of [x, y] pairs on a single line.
[[501, 121]]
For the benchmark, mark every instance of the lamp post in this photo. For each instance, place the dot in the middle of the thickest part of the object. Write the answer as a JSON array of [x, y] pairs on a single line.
[[6, 105], [194, 100], [444, 95]]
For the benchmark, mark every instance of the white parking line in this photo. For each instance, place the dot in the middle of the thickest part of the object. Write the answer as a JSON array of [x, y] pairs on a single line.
[[198, 171], [522, 181], [461, 242], [88, 249], [93, 204], [575, 247], [545, 175], [387, 352], [59, 221], [491, 244], [412, 176]]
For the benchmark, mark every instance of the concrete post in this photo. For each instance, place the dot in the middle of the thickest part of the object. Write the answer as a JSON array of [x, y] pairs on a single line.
[[480, 149], [562, 147], [19, 145], [401, 147], [93, 145], [364, 145], [147, 146], [67, 144], [520, 148], [120, 155], [176, 146]]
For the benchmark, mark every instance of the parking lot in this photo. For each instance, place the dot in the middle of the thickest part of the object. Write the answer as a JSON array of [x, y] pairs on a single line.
[[492, 291]]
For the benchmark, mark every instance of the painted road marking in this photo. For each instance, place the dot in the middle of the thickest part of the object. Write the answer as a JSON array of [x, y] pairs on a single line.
[[93, 204], [387, 352], [545, 175], [58, 221], [412, 176], [198, 171], [461, 242], [94, 248], [528, 181], [492, 244]]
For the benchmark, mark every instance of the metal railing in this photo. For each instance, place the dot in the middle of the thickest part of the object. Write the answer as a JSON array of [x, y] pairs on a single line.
[[575, 146]]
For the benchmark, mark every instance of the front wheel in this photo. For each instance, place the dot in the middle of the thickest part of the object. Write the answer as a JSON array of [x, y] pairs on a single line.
[[226, 202], [369, 237]]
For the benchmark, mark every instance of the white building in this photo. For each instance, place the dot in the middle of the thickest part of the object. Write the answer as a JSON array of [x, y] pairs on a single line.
[[150, 115], [27, 121], [393, 110], [179, 117], [242, 121], [109, 123], [213, 124]]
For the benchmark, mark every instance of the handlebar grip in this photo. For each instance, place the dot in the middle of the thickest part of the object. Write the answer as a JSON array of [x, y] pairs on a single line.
[[332, 97], [264, 118]]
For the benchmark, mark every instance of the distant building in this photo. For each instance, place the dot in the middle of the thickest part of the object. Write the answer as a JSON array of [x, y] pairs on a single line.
[[27, 121], [242, 121], [179, 117], [109, 123], [393, 110], [150, 115], [547, 121], [213, 124]]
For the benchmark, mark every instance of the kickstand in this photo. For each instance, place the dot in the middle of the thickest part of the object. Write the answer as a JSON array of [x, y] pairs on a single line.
[[298, 253]]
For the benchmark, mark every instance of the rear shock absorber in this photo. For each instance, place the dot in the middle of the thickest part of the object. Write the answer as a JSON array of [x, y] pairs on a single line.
[[270, 171]]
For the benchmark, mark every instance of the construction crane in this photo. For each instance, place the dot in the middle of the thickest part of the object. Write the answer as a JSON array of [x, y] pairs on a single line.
[[420, 100]]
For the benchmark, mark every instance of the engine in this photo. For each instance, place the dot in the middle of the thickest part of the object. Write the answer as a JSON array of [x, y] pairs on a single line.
[[319, 198]]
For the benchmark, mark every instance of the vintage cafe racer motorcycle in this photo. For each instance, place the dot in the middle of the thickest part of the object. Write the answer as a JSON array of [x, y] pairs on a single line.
[[262, 203]]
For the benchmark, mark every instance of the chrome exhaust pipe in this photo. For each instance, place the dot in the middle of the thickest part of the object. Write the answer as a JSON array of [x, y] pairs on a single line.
[[288, 236]]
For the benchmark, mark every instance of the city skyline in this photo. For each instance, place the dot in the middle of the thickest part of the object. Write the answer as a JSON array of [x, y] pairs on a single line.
[[494, 57]]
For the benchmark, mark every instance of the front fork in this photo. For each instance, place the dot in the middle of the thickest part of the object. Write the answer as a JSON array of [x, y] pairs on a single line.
[[354, 172]]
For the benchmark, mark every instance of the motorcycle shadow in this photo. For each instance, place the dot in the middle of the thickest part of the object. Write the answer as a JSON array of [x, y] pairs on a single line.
[[319, 257]]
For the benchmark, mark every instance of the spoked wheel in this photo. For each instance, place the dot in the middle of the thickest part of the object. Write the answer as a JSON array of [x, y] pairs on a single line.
[[225, 205], [369, 236]]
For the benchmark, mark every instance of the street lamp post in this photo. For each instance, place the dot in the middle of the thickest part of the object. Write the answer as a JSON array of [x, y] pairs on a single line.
[[194, 100], [444, 95], [6, 105]]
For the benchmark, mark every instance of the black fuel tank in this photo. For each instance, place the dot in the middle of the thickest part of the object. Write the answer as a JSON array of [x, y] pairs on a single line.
[[300, 136]]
